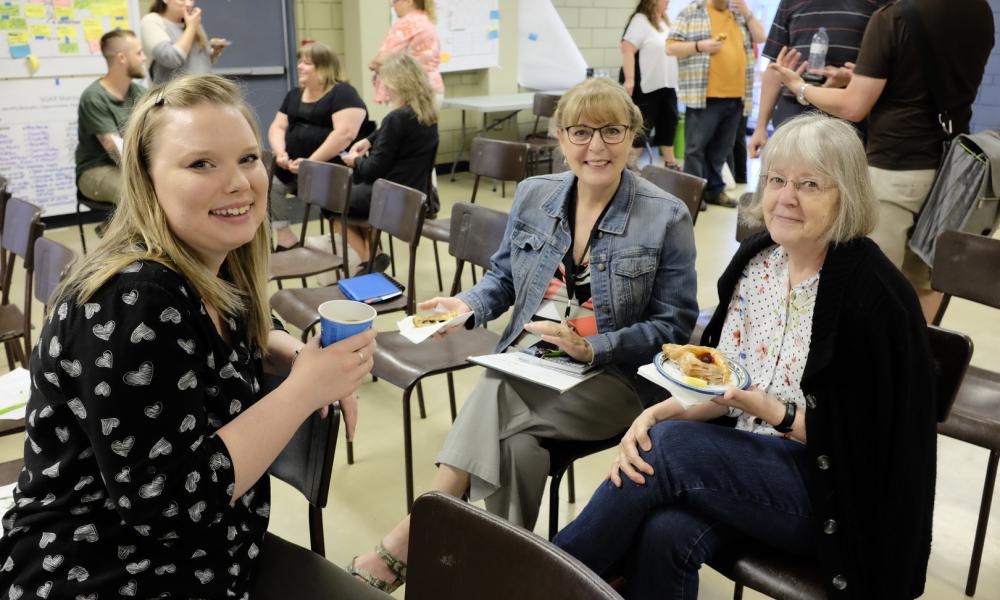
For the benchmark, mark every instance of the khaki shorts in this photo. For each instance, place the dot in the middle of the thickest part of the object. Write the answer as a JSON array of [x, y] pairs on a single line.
[[901, 195], [103, 184]]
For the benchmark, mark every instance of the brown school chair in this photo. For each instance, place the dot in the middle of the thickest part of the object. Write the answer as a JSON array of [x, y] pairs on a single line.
[[686, 187]]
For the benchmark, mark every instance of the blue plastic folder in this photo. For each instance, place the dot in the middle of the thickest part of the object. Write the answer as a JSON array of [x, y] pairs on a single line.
[[371, 288]]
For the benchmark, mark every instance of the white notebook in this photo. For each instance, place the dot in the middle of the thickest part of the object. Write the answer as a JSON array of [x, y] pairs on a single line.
[[512, 364]]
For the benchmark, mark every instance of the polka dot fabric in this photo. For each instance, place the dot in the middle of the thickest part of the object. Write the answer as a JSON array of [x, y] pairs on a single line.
[[126, 487], [768, 329]]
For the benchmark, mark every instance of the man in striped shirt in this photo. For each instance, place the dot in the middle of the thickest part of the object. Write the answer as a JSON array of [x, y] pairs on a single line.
[[794, 25]]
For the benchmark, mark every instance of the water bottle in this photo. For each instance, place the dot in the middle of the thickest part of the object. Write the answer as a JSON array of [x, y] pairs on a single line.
[[817, 55]]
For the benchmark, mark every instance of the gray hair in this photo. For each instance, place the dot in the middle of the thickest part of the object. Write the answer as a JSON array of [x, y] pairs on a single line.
[[831, 148]]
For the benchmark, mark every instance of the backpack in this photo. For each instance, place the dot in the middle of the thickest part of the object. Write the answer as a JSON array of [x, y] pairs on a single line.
[[964, 196]]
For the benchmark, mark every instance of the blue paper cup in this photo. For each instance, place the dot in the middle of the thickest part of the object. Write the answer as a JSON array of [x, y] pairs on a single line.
[[341, 319]]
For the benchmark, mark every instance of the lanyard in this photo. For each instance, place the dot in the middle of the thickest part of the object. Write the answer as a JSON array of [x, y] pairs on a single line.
[[569, 264]]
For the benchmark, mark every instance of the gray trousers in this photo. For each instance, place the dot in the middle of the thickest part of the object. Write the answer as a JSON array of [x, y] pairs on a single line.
[[497, 435]]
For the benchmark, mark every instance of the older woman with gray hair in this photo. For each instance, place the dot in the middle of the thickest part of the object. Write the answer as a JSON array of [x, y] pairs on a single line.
[[833, 338]]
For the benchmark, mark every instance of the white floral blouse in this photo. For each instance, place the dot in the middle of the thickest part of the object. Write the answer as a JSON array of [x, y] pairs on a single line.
[[768, 328]]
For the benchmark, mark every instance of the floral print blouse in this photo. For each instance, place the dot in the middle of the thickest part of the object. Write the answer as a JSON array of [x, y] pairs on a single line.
[[768, 329], [126, 489], [416, 34]]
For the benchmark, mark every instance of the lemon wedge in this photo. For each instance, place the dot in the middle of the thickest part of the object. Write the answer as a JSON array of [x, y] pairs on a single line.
[[695, 381]]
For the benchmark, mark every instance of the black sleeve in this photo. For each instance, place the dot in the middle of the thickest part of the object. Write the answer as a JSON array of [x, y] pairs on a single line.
[[385, 146], [345, 96], [133, 363], [286, 102]]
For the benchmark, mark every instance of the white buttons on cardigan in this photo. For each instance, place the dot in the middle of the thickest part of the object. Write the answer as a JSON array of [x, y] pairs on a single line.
[[829, 527], [600, 267], [839, 582], [823, 462], [810, 401]]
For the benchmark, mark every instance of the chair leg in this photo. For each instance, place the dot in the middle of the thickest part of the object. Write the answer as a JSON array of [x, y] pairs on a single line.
[[451, 396], [981, 526], [392, 256], [554, 505], [737, 591], [437, 264], [420, 400], [316, 530], [304, 284], [10, 356], [571, 484], [350, 444], [408, 448], [79, 224]]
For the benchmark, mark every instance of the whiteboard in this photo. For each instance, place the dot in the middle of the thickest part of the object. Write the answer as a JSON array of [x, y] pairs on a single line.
[[38, 140], [469, 31], [38, 112], [470, 34]]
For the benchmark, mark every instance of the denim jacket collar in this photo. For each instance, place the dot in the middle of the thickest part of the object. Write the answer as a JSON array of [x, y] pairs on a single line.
[[614, 220]]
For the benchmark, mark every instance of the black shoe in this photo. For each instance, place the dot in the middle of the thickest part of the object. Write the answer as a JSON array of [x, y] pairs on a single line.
[[723, 200], [381, 263]]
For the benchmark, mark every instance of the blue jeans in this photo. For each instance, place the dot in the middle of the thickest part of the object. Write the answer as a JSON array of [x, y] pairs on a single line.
[[712, 485], [709, 134]]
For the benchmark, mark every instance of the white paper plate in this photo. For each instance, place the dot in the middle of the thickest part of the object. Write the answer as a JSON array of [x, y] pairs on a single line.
[[689, 395]]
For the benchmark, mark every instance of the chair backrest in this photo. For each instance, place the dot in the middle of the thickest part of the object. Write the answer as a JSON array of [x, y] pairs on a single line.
[[52, 262], [744, 230], [325, 185], [476, 233], [21, 227], [952, 352], [544, 105], [267, 157], [399, 211], [683, 185], [460, 551], [4, 197], [965, 265], [306, 462], [498, 159]]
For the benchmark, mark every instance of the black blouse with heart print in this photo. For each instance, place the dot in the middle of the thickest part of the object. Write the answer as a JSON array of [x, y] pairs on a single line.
[[126, 488]]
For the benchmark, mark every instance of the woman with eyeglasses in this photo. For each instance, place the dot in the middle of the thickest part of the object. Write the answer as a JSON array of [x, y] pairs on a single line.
[[414, 33], [833, 452], [595, 261]]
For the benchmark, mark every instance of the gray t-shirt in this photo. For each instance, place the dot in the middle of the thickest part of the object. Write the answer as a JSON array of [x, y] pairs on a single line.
[[166, 62], [100, 112]]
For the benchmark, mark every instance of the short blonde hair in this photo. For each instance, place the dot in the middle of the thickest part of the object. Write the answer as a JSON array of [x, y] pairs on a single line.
[[832, 148], [409, 86], [139, 229], [325, 60], [599, 100]]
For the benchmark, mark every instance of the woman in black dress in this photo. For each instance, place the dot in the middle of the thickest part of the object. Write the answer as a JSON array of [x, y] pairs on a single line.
[[401, 150], [147, 437], [317, 121]]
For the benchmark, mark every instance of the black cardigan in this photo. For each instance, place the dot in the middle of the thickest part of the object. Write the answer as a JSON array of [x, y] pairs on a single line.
[[402, 151], [870, 420]]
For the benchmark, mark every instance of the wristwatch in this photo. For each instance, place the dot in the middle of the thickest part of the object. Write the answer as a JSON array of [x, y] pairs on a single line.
[[801, 97], [786, 423]]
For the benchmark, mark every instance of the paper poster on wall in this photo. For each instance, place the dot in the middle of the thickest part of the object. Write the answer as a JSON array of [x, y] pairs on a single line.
[[54, 28], [547, 56], [470, 34]]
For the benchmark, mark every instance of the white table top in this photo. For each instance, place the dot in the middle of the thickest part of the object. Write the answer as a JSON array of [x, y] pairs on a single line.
[[493, 103]]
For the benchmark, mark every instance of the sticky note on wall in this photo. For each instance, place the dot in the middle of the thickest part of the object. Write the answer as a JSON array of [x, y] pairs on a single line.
[[92, 29], [41, 31], [34, 11], [8, 9], [64, 32], [64, 13]]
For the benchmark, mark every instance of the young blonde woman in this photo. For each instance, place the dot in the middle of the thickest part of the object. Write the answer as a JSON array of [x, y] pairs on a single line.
[[650, 75], [148, 436], [317, 121], [401, 150], [413, 32], [175, 42]]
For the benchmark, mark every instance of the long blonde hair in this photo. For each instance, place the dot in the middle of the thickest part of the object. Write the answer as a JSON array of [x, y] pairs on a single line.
[[139, 229], [159, 7], [409, 86], [326, 62]]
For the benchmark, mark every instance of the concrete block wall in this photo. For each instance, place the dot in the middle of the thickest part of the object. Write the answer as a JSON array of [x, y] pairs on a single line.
[[986, 110], [596, 27]]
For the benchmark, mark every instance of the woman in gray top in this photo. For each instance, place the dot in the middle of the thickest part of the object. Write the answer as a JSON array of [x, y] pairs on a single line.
[[175, 42]]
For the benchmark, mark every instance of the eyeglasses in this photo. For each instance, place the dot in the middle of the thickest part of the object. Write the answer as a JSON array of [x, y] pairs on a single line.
[[806, 188], [582, 134]]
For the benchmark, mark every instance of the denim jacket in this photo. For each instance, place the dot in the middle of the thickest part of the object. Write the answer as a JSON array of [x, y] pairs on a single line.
[[642, 275]]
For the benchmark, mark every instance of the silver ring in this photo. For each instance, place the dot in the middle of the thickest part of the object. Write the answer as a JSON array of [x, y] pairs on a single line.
[[361, 355]]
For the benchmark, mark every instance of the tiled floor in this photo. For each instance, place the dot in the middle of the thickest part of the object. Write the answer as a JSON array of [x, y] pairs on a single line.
[[368, 497]]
